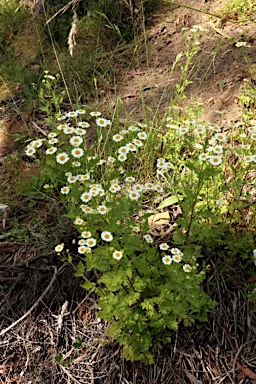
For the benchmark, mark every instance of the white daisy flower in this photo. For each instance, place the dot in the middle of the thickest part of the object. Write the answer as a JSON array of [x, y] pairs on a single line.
[[132, 128], [183, 130], [200, 130], [77, 152], [133, 195], [149, 186], [86, 196], [78, 221], [107, 236], [30, 151], [83, 124], [62, 158], [117, 255], [80, 111], [84, 177], [81, 249], [158, 188], [251, 129], [117, 138], [65, 190], [167, 260], [76, 164], [137, 187], [220, 137], [131, 147], [148, 238], [91, 242], [175, 251], [215, 160], [72, 114], [246, 146], [37, 143], [50, 150], [136, 229], [101, 192], [177, 258], [169, 165], [51, 135], [61, 127], [81, 242], [53, 141], [123, 132], [248, 159], [164, 246], [76, 141], [68, 130], [123, 150], [86, 210], [187, 268], [95, 113], [111, 159], [137, 142], [101, 122], [129, 179], [114, 188], [142, 136], [80, 131], [102, 209], [253, 136], [122, 157], [59, 247], [161, 164], [86, 234], [218, 149], [61, 118], [71, 179], [142, 125], [203, 156]]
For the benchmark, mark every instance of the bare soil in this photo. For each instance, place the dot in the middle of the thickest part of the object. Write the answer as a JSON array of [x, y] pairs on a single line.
[[44, 310]]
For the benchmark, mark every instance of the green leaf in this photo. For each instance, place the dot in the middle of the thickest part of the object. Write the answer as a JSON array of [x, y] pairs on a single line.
[[80, 267], [78, 343], [88, 286], [170, 201], [58, 358]]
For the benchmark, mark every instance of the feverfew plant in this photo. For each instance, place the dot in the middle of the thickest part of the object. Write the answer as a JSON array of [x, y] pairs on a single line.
[[145, 288], [148, 286]]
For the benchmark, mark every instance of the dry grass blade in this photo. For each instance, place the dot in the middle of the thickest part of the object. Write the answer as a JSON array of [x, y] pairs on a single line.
[[35, 304], [72, 3], [72, 34]]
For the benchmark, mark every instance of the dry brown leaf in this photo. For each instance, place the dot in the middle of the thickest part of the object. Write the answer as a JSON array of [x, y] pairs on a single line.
[[192, 378], [159, 218], [252, 279], [246, 371]]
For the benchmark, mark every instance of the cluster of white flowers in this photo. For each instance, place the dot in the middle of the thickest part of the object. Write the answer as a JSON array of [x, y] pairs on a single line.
[[217, 139], [163, 165], [176, 257]]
